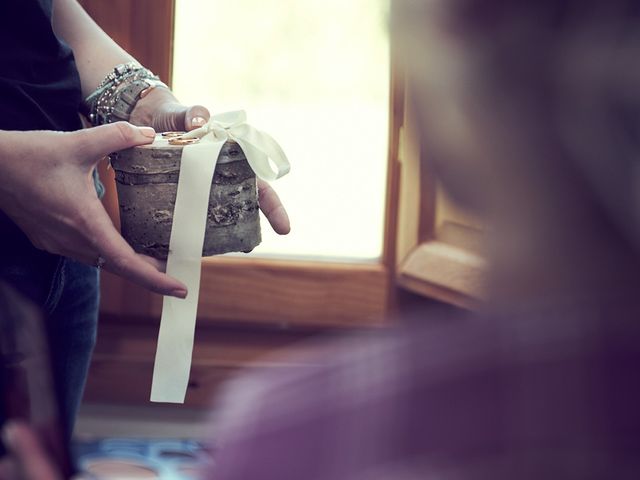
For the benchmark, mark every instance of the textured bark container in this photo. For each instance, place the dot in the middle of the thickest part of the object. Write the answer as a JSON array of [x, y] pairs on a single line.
[[147, 182]]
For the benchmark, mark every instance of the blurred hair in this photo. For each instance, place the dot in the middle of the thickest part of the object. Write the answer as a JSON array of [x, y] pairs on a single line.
[[569, 71]]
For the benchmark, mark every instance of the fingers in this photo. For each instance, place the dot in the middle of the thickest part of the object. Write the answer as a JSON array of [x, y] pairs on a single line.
[[150, 275], [159, 265], [120, 258], [195, 117], [164, 112], [273, 209], [28, 453], [172, 116], [94, 143]]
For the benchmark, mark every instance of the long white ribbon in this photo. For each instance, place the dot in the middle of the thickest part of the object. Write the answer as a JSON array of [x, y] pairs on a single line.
[[197, 165]]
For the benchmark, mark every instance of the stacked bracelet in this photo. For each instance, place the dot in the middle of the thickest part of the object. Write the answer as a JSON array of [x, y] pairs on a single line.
[[117, 95]]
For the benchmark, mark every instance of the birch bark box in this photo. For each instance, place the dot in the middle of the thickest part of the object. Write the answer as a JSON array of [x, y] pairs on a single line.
[[147, 181]]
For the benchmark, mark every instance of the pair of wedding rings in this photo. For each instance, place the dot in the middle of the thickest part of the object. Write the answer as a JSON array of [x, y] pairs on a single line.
[[175, 138]]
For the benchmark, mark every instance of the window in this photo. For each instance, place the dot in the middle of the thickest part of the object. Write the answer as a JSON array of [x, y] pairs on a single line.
[[315, 75]]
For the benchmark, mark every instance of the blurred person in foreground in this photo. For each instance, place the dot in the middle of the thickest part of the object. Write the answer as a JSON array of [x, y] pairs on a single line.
[[530, 114]]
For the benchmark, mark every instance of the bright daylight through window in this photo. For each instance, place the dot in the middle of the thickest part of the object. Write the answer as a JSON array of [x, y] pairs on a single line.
[[315, 75]]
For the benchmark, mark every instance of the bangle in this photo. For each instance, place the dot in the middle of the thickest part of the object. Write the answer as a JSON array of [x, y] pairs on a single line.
[[117, 95]]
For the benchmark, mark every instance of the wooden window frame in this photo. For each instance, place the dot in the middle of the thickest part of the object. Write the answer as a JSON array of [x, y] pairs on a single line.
[[439, 247]]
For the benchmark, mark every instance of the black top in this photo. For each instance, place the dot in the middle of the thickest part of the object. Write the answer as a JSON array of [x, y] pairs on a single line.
[[39, 85], [39, 82]]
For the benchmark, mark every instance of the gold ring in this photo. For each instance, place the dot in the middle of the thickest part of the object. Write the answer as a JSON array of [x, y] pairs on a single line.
[[172, 134], [183, 141]]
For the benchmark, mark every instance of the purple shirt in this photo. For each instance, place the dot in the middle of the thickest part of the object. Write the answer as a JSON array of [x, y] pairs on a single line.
[[544, 396]]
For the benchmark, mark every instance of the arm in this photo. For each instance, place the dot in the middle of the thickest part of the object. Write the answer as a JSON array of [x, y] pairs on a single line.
[[159, 109], [72, 24]]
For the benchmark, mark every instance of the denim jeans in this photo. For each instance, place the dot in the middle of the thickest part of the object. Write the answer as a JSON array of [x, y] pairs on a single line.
[[67, 293]]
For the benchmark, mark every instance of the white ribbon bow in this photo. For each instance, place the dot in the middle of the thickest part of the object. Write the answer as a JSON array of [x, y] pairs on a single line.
[[197, 165], [257, 146]]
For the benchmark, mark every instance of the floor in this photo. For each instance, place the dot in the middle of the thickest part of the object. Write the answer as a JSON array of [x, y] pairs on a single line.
[[153, 421]]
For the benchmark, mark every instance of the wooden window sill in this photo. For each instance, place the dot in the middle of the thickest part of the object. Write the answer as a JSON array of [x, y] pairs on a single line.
[[444, 272]]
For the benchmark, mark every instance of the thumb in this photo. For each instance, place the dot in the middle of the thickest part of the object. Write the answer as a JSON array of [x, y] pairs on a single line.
[[196, 116], [95, 143]]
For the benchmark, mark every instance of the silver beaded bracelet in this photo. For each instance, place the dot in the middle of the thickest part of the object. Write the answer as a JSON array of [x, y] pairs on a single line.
[[117, 95]]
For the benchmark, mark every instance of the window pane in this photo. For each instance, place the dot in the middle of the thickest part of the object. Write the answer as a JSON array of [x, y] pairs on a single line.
[[315, 75]]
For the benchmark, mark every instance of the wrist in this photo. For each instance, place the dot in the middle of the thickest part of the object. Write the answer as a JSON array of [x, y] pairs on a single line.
[[116, 97]]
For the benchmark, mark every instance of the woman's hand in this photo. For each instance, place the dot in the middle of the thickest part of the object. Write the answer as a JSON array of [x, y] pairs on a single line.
[[47, 189], [161, 110]]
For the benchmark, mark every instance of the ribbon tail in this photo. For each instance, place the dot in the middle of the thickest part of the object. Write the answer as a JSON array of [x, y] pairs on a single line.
[[177, 325]]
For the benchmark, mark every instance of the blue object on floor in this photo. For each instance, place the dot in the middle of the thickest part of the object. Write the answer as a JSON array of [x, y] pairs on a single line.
[[132, 459]]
